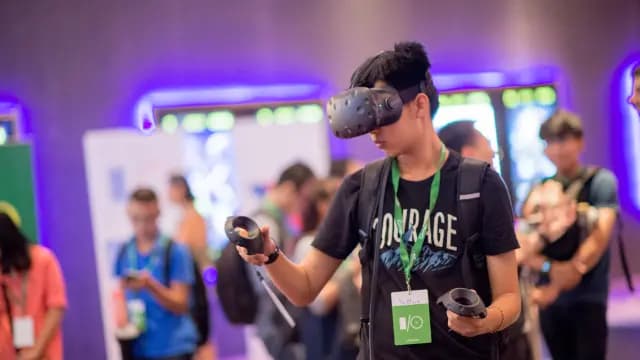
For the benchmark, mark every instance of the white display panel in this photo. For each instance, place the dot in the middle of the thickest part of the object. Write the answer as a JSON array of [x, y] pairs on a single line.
[[117, 161]]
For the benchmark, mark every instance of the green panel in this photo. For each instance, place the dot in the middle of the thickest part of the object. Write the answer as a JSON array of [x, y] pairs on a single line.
[[16, 187]]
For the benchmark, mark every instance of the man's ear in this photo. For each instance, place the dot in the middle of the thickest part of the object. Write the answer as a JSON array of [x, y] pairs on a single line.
[[423, 106]]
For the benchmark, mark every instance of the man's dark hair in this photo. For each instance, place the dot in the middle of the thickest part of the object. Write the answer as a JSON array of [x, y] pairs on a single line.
[[180, 180], [14, 247], [561, 125], [405, 66], [338, 167], [143, 195], [298, 174], [635, 71], [457, 135]]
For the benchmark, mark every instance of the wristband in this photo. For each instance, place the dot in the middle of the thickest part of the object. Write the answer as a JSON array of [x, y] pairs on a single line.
[[273, 256], [546, 267]]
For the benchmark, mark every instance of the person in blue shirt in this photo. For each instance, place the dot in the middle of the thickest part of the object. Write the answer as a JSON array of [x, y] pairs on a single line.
[[157, 297]]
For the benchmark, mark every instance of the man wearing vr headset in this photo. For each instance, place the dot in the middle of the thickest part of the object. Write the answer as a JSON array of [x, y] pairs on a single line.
[[418, 242]]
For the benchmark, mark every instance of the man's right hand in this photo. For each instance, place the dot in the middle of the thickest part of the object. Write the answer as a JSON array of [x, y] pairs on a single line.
[[268, 248]]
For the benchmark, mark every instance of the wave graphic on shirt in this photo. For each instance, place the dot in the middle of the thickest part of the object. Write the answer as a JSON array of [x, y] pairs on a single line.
[[429, 260]]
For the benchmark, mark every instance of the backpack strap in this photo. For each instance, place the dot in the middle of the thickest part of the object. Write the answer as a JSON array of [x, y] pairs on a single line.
[[122, 251], [370, 199], [470, 177], [575, 188], [366, 214]]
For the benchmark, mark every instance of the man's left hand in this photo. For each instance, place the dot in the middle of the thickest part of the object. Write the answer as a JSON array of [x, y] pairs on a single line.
[[472, 326]]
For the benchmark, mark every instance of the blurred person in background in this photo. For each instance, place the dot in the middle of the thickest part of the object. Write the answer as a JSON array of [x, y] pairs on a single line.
[[572, 215], [319, 319], [463, 138], [192, 231], [156, 275], [634, 98], [33, 298], [283, 200]]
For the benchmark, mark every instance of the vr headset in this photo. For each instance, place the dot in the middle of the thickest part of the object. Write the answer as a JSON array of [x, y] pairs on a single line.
[[359, 110]]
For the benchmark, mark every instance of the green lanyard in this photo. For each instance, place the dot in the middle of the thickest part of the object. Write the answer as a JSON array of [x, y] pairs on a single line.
[[409, 262], [154, 260]]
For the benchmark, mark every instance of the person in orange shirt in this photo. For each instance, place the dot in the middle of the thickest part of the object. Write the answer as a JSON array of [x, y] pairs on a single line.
[[33, 298]]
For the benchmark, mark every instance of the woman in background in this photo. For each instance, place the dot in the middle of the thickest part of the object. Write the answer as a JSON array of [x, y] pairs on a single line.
[[192, 231], [319, 320], [32, 298]]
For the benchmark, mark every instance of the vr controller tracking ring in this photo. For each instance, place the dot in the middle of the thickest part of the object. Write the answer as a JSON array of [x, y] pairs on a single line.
[[244, 231], [464, 302]]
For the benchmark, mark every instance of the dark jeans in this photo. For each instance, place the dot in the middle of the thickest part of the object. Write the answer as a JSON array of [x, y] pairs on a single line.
[[575, 332]]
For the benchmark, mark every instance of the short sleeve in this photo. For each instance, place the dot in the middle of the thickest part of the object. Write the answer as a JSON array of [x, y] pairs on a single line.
[[55, 292], [338, 234], [604, 190], [498, 235], [181, 265]]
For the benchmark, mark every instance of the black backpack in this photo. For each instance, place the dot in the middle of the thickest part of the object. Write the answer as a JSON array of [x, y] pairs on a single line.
[[237, 296], [373, 187], [199, 309]]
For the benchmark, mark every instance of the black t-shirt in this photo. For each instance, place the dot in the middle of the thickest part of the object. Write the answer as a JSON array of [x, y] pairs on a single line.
[[601, 192], [438, 269]]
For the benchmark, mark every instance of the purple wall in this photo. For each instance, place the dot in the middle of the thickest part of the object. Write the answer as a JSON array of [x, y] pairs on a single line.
[[79, 65]]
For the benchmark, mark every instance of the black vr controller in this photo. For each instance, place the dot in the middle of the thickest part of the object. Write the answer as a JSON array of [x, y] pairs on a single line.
[[243, 231], [464, 302], [359, 110]]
